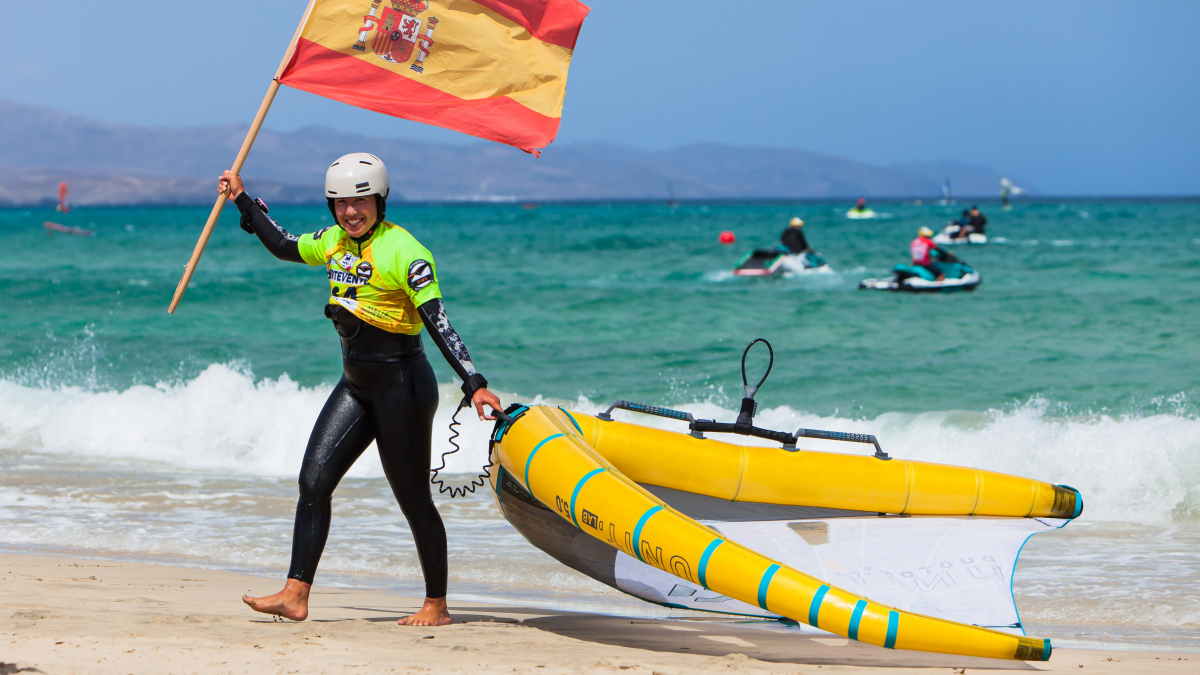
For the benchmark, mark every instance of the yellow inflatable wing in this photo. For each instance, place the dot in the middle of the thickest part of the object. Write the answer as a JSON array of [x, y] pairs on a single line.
[[779, 476], [588, 472]]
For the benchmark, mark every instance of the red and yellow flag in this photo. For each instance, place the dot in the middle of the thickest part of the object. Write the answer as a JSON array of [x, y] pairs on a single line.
[[496, 69]]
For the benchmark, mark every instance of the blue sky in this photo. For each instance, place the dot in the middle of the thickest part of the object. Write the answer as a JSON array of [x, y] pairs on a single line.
[[1075, 97]]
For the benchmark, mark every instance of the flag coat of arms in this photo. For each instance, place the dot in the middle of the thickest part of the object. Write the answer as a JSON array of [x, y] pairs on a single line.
[[496, 69]]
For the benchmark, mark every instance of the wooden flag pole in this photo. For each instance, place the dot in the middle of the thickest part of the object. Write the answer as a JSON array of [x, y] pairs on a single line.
[[252, 134], [216, 210]]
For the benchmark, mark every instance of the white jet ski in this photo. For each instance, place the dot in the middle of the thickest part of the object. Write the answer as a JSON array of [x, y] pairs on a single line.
[[946, 236]]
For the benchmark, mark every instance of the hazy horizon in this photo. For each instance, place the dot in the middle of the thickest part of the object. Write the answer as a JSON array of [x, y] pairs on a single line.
[[1076, 98]]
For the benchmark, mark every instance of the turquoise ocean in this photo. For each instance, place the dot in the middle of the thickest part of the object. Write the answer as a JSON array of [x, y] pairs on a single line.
[[127, 432]]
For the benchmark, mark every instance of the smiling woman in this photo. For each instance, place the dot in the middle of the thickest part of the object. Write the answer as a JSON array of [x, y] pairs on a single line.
[[355, 214], [383, 289]]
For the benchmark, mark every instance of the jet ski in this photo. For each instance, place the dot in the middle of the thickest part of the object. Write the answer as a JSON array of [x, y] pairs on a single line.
[[767, 261], [959, 277], [865, 214], [947, 236]]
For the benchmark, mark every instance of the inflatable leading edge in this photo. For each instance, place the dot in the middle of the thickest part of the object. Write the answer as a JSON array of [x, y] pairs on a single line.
[[804, 478], [556, 457]]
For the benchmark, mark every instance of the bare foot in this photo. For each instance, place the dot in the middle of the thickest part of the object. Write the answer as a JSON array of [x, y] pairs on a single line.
[[433, 613], [290, 603]]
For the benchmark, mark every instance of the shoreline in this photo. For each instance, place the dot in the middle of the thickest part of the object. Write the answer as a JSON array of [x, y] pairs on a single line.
[[66, 614]]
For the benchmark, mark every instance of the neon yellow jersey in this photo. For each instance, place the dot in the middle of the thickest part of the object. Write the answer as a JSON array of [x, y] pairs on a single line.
[[382, 280]]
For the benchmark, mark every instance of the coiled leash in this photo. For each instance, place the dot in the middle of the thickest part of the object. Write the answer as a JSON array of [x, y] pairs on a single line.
[[478, 481]]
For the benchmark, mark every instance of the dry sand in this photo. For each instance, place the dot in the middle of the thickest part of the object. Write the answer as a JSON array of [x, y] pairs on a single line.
[[65, 615]]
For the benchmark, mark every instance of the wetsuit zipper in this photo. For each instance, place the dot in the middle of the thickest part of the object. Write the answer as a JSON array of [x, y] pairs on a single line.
[[359, 240]]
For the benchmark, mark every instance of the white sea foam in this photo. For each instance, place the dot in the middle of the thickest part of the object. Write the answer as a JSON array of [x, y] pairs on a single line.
[[222, 420], [793, 267], [1129, 469]]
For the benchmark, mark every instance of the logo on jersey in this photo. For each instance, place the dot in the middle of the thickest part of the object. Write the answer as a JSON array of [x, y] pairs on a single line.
[[347, 261], [364, 271], [346, 278], [420, 274]]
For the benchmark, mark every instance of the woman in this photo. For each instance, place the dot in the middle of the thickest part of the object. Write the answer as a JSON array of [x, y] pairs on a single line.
[[383, 289]]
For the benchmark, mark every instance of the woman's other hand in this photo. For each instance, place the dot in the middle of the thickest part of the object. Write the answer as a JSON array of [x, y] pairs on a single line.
[[483, 397], [230, 185]]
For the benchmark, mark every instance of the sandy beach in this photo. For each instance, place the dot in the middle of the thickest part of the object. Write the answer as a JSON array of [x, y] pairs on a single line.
[[67, 615]]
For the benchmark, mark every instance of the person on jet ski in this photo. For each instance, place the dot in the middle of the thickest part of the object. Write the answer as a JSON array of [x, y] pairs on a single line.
[[962, 222], [973, 221], [923, 249], [860, 206], [793, 238]]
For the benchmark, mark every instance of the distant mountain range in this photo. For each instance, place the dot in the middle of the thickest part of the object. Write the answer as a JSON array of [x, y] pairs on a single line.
[[109, 164]]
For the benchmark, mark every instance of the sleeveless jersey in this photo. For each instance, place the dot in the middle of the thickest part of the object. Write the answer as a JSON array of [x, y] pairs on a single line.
[[381, 280]]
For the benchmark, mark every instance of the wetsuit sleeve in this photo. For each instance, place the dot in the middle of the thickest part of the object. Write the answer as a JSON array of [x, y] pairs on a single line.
[[433, 315], [278, 241]]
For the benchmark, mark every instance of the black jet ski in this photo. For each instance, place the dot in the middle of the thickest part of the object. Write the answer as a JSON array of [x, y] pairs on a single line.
[[959, 277], [767, 261]]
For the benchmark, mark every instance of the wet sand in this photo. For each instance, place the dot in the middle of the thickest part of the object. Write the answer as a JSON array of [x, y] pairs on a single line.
[[66, 615]]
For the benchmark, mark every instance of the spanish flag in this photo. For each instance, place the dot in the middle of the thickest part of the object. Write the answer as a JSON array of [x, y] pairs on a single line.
[[496, 69]]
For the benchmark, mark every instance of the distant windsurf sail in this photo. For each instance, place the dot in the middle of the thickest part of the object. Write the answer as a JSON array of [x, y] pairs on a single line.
[[62, 199], [1007, 185]]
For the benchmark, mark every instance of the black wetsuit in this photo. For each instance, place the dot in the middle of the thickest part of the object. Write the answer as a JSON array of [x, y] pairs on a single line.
[[977, 223], [387, 394], [793, 238]]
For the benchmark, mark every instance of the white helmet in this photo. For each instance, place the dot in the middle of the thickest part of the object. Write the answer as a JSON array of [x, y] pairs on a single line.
[[796, 222], [356, 175]]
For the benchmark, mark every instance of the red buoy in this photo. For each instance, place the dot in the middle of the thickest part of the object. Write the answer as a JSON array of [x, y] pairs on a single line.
[[727, 237]]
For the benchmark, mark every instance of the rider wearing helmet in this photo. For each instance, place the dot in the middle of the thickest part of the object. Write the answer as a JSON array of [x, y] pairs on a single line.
[[860, 205], [793, 238], [922, 249], [383, 290]]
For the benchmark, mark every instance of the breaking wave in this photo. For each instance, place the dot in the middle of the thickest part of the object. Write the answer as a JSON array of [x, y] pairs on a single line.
[[1129, 469]]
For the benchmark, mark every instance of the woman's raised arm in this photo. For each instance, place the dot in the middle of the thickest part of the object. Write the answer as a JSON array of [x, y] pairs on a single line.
[[281, 243]]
